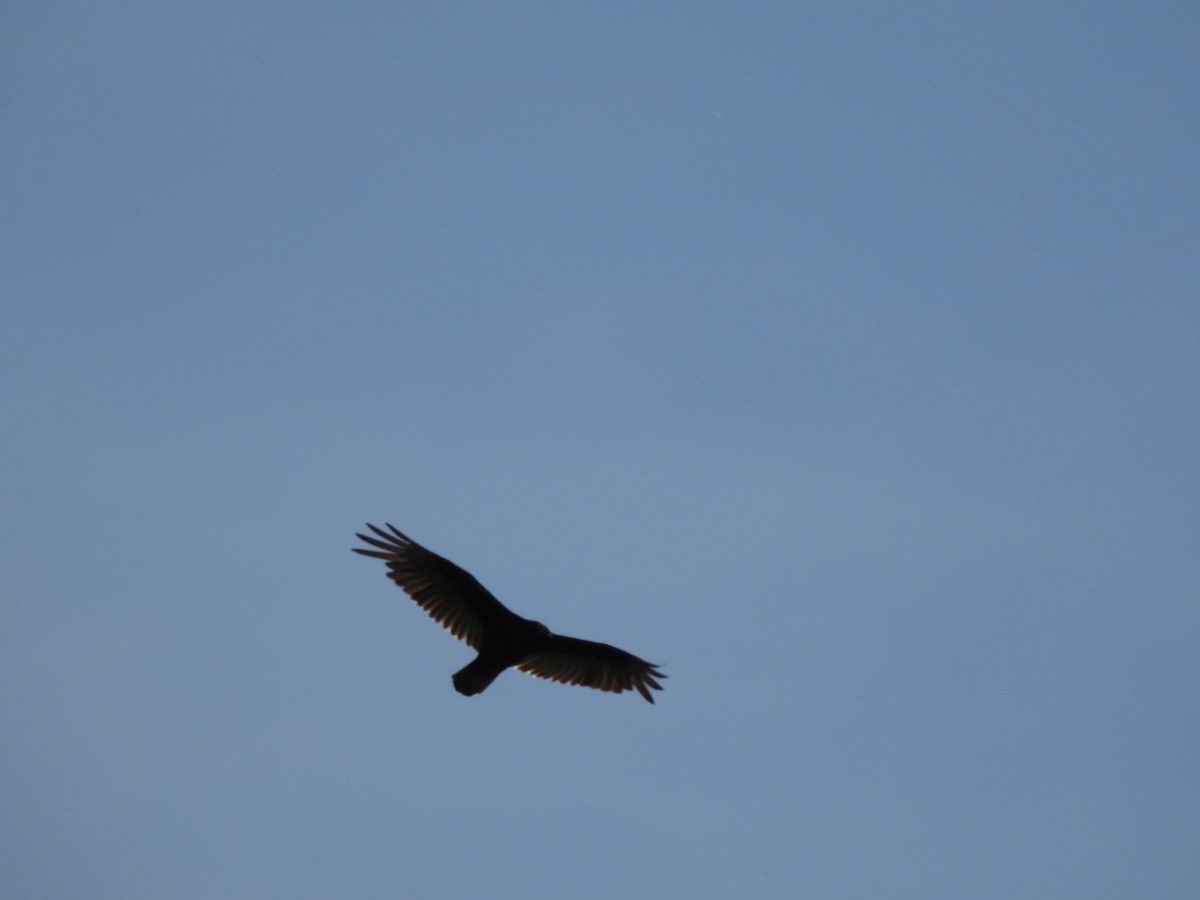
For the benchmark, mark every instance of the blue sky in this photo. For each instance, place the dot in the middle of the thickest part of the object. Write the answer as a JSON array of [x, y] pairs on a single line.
[[842, 359]]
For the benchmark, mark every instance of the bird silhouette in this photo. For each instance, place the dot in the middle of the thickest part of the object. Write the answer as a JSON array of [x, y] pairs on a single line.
[[465, 608]]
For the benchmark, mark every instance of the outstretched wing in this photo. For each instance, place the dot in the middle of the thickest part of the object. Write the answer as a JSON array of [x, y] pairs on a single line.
[[451, 595], [592, 664]]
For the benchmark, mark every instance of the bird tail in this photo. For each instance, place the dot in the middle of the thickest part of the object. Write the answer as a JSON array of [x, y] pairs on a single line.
[[474, 677]]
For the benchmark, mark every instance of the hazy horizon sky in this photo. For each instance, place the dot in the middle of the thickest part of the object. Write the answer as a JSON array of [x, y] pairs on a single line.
[[842, 359]]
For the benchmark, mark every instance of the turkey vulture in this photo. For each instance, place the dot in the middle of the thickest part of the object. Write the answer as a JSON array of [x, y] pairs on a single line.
[[466, 609]]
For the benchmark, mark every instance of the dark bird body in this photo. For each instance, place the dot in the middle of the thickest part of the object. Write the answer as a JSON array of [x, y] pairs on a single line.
[[454, 598]]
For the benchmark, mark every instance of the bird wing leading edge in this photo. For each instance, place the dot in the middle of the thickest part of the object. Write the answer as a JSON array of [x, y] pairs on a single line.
[[591, 664], [450, 594]]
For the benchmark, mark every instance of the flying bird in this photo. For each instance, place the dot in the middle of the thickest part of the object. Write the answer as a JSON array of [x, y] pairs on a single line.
[[467, 609]]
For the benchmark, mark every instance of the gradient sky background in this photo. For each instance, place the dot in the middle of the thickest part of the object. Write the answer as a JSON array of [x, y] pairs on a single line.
[[843, 359]]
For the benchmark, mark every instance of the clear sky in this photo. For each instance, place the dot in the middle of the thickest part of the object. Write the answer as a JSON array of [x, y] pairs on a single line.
[[843, 359]]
